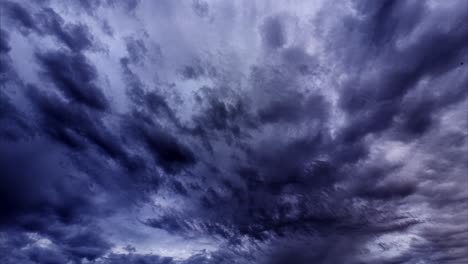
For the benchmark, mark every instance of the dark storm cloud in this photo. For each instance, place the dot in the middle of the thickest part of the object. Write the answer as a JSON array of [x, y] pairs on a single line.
[[19, 14], [152, 108], [5, 60], [292, 109], [148, 104], [74, 76], [47, 22], [25, 194], [298, 59], [13, 124], [41, 197], [350, 148], [273, 32], [4, 46], [201, 258], [389, 108], [88, 245], [434, 53], [33, 254], [136, 258], [225, 117], [47, 195], [68, 246], [325, 252], [76, 127], [75, 37], [192, 72], [4, 49], [168, 152]]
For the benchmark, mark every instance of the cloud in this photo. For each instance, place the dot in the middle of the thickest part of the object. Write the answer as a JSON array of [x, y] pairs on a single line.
[[47, 22], [134, 258], [219, 132], [19, 14], [73, 76], [273, 32]]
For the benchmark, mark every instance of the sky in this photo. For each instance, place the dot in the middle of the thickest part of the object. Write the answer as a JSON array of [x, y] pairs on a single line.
[[233, 132]]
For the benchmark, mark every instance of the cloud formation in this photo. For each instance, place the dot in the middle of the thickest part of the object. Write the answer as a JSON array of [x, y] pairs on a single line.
[[204, 132]]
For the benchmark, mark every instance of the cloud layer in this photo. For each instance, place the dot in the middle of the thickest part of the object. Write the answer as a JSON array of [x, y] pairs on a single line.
[[190, 132]]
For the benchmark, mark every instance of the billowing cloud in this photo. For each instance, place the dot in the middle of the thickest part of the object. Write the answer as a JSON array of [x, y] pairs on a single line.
[[190, 132]]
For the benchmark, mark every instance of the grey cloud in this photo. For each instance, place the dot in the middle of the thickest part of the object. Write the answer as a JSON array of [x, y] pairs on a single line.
[[136, 49], [47, 22], [200, 7], [19, 14], [273, 32], [339, 137], [74, 76]]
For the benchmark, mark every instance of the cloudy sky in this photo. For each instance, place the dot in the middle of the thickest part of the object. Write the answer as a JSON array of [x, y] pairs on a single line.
[[219, 132]]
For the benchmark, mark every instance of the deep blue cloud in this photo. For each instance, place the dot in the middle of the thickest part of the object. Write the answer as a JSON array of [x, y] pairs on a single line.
[[205, 132]]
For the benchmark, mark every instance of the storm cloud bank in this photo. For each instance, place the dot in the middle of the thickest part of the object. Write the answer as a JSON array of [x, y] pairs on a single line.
[[190, 132]]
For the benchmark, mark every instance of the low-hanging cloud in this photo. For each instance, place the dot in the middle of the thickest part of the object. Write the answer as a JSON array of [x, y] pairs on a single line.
[[233, 132]]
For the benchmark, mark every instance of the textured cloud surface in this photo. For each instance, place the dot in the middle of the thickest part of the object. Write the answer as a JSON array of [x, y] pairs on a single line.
[[203, 132]]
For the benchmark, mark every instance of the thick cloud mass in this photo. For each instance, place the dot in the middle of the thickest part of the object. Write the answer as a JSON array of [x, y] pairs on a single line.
[[203, 132]]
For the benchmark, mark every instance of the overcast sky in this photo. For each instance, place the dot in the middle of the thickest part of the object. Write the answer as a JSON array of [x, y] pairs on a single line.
[[219, 132]]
